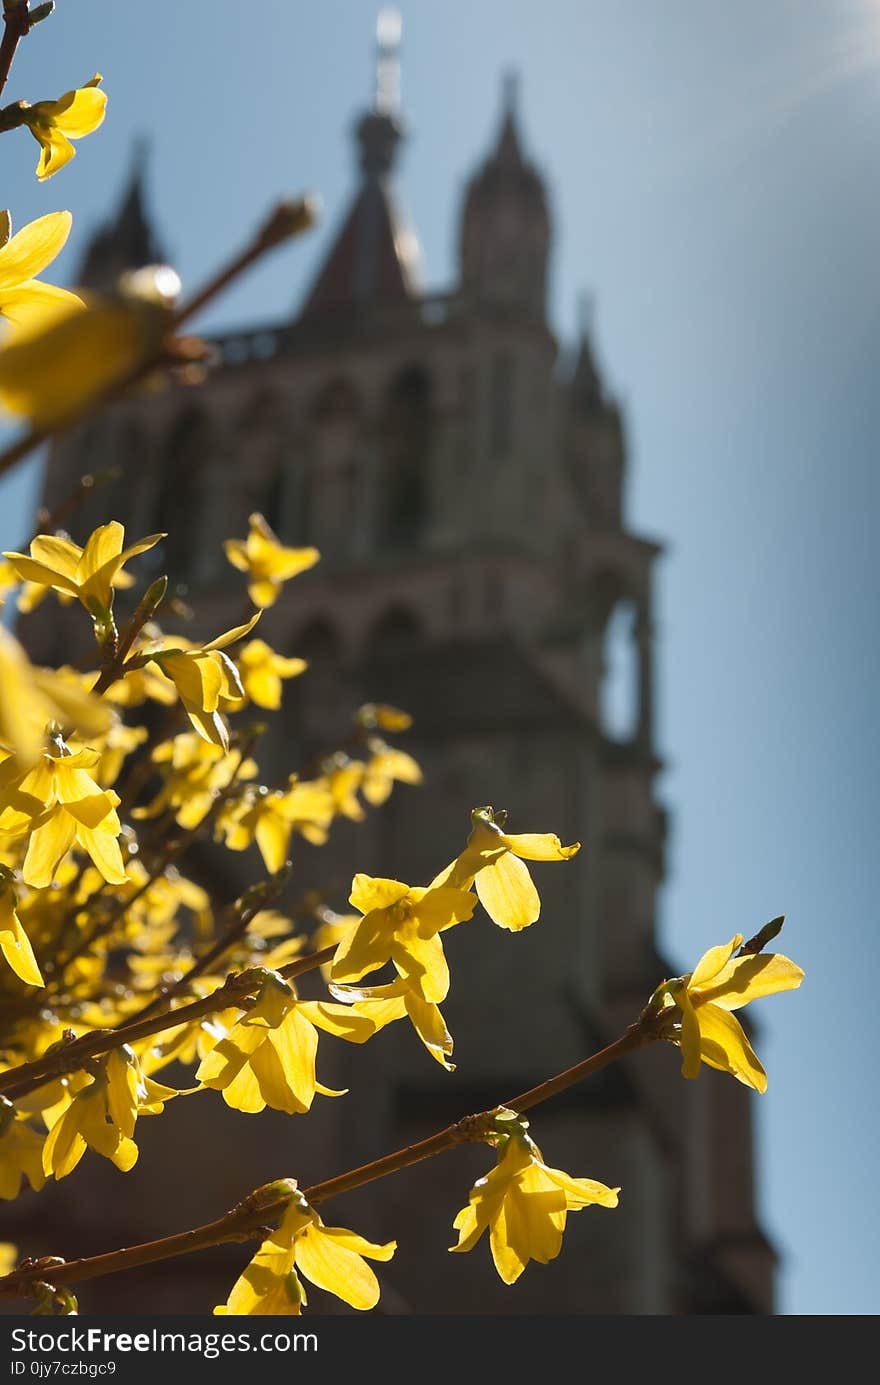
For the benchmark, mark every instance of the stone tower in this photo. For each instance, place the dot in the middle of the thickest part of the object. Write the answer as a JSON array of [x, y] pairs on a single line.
[[466, 489]]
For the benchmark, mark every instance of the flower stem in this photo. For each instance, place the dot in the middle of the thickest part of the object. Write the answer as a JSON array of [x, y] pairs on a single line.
[[249, 1219]]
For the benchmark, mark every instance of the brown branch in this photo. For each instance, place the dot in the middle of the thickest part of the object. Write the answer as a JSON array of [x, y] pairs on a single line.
[[288, 219], [248, 1220], [68, 1057], [16, 22]]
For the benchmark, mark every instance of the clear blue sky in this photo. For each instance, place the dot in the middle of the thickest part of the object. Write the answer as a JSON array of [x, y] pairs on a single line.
[[713, 166]]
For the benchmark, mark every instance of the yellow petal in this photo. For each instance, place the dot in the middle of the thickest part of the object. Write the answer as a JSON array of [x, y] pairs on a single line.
[[33, 248], [712, 961], [539, 846], [369, 892], [272, 835], [422, 960], [16, 946], [338, 1270], [47, 846], [80, 112], [749, 978], [507, 893], [103, 847], [690, 1035], [431, 1028], [56, 150], [366, 948], [30, 300], [723, 1044]]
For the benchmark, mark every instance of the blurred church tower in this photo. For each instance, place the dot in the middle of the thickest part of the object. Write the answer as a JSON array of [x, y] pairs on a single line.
[[466, 490]]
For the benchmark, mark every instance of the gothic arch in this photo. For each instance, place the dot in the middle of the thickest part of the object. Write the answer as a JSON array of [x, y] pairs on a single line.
[[261, 438], [185, 460], [330, 498], [318, 700], [615, 630], [395, 632], [405, 435]]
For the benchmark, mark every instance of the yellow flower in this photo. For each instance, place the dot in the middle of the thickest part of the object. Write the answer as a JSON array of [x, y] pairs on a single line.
[[8, 1257], [270, 818], [329, 1256], [20, 1154], [24, 256], [103, 1114], [267, 563], [719, 984], [343, 778], [385, 1004], [54, 124], [58, 803], [524, 1204], [268, 1057], [32, 697], [401, 923], [62, 356], [383, 767], [203, 678], [194, 771], [261, 671], [493, 863], [86, 573], [14, 941]]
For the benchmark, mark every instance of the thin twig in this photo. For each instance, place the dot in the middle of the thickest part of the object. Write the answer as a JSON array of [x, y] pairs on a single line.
[[287, 220], [249, 1219], [16, 22]]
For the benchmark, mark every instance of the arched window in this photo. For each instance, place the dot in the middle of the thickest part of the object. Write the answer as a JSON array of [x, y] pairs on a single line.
[[619, 689], [396, 632], [403, 500], [178, 511], [330, 487], [321, 695], [258, 459]]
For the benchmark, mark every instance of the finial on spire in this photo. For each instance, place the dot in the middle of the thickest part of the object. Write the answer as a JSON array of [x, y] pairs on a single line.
[[586, 311], [510, 91], [388, 29]]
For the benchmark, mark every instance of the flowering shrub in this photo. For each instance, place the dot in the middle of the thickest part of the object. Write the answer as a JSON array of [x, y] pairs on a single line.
[[114, 964]]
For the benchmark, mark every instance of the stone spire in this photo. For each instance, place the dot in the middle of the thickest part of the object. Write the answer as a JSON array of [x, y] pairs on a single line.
[[505, 227], [374, 258], [585, 382], [128, 240]]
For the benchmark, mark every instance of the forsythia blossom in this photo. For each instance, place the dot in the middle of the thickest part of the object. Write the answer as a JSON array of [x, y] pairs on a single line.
[[54, 124], [719, 984], [401, 923], [329, 1256], [524, 1203], [493, 863], [86, 573], [267, 563], [267, 1058], [103, 1114]]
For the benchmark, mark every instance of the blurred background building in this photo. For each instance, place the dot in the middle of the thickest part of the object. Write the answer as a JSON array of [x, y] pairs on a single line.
[[464, 479]]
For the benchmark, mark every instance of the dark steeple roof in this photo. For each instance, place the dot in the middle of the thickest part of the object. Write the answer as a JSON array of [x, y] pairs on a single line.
[[128, 241], [587, 392], [374, 258]]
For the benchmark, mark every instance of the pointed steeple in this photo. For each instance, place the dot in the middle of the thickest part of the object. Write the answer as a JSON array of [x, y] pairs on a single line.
[[128, 241], [374, 258], [505, 228], [585, 384]]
